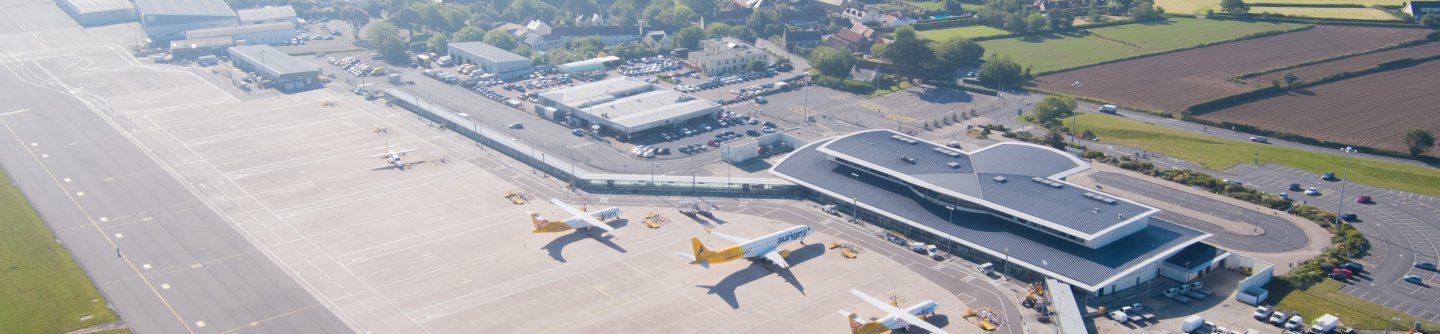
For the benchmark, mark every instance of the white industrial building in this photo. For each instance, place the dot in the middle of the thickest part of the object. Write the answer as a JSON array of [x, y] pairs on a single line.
[[726, 55], [490, 59], [623, 106], [91, 13], [285, 72], [267, 33], [168, 20], [266, 15]]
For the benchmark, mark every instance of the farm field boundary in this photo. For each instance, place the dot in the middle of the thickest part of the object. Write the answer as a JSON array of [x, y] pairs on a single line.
[[1409, 43], [1127, 42]]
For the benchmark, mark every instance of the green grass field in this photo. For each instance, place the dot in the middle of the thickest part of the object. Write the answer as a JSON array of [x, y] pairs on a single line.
[[966, 32], [1057, 52], [1217, 153], [1337, 13], [937, 5], [1324, 297], [1199, 6], [41, 287]]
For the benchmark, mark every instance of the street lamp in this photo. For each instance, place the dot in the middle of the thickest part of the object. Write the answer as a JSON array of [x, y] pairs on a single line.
[[1006, 268], [1345, 178], [855, 203]]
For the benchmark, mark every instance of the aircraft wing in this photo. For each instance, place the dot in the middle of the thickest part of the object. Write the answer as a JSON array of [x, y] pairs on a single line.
[[382, 155], [898, 313], [727, 237], [402, 152], [583, 216], [774, 256]]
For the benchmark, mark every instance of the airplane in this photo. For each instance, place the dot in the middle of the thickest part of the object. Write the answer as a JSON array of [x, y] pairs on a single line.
[[578, 220], [895, 319], [393, 156], [763, 247]]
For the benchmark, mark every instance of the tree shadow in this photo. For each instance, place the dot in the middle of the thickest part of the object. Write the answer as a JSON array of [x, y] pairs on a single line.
[[941, 95], [557, 246], [759, 268]]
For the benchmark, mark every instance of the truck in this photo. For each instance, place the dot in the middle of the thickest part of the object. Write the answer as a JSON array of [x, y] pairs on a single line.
[[1324, 324], [1295, 322], [1192, 324], [933, 252]]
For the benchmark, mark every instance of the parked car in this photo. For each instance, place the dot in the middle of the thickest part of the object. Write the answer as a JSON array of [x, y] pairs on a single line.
[[517, 125], [1363, 199], [1263, 312], [1260, 139], [1295, 187], [1427, 265], [1414, 279], [1312, 191], [1278, 318], [1329, 176], [1349, 216]]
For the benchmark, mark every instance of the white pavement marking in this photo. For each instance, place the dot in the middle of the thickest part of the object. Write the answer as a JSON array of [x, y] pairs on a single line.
[[15, 112], [165, 286]]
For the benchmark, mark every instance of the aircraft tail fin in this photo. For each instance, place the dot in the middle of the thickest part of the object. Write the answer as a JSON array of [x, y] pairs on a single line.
[[536, 219], [698, 253]]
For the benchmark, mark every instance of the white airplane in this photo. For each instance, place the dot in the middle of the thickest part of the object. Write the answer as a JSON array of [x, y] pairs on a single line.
[[766, 247], [578, 220], [895, 317], [393, 156]]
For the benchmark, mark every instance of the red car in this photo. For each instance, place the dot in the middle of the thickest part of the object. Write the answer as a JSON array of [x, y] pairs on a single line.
[[1363, 199], [1346, 272]]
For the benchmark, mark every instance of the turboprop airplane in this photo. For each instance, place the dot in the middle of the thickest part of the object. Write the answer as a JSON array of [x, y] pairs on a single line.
[[766, 247], [578, 220], [895, 319], [393, 156]]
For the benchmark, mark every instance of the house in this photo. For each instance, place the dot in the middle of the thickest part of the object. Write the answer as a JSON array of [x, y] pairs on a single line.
[[830, 5], [1046, 5], [801, 38], [726, 55], [561, 36], [733, 16], [860, 15], [534, 27], [656, 38], [509, 28], [1420, 8], [748, 4], [857, 38], [805, 18], [896, 20]]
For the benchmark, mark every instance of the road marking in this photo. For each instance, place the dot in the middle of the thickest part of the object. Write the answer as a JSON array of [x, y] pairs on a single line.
[[165, 286], [119, 235], [80, 193], [600, 287], [200, 324], [15, 112], [146, 266]]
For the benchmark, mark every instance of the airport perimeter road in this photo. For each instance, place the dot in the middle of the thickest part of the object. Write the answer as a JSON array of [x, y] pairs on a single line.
[[1278, 234], [166, 260], [1402, 227]]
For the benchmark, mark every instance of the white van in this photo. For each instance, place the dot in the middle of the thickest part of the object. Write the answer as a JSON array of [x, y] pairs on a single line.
[[1108, 109]]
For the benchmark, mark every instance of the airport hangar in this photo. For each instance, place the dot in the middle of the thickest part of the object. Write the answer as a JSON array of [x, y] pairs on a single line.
[[168, 20], [90, 13], [1005, 202], [505, 65], [286, 72], [623, 106]]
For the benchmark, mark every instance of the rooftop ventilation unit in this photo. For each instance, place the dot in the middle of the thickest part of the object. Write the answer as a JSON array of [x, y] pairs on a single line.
[[908, 159], [952, 164], [905, 139], [1101, 198], [1048, 182], [1000, 179], [948, 152]]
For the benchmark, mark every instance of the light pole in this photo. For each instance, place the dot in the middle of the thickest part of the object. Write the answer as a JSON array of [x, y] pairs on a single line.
[[1345, 178], [855, 203], [1393, 320], [1006, 269], [952, 214]]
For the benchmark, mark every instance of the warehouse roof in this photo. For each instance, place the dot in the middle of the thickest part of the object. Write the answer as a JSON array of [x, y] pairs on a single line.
[[272, 60], [1020, 179], [487, 51], [184, 7], [639, 109], [266, 13], [92, 6], [200, 43], [1090, 268], [231, 31], [598, 92]]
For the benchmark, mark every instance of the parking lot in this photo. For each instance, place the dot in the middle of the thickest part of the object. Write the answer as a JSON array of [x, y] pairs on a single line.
[[1402, 228]]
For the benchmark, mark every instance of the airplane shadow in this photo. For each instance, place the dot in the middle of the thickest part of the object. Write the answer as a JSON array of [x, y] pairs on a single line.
[[556, 247], [759, 269]]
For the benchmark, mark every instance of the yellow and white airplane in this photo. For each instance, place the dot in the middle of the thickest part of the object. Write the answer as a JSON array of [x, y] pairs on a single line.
[[392, 156], [578, 220], [895, 319], [766, 247]]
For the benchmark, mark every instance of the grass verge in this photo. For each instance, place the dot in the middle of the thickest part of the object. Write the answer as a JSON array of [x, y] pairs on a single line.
[[965, 32], [1325, 297], [1116, 42], [41, 287], [1217, 153]]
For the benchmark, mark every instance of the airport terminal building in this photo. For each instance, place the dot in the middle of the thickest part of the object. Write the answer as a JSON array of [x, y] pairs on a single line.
[[623, 106], [1007, 203]]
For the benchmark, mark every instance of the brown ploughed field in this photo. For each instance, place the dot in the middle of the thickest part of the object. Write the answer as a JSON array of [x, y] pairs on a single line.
[[1315, 71]]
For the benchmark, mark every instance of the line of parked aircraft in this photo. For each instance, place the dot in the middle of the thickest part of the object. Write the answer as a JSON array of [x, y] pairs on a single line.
[[766, 248]]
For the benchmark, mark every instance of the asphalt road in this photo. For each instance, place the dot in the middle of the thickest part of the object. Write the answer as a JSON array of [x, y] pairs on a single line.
[[166, 261], [1402, 228], [1279, 235]]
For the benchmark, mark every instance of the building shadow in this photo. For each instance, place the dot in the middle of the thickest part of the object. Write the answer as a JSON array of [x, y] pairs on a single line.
[[759, 269]]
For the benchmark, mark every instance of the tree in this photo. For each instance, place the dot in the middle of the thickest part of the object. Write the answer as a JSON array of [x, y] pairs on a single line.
[[765, 23], [1055, 139], [1235, 7], [954, 7], [437, 43], [1146, 11], [1061, 20], [909, 55], [1431, 20], [1037, 22], [1290, 80], [831, 61], [718, 30], [1418, 141], [702, 7], [1000, 71], [471, 34], [956, 52], [408, 18], [356, 18], [1096, 15], [755, 66], [385, 39], [1051, 110], [689, 37], [877, 48], [498, 38], [1016, 23]]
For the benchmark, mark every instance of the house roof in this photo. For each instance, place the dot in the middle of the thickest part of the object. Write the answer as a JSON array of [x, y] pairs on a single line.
[[184, 7], [1089, 268], [792, 36], [594, 31]]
